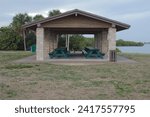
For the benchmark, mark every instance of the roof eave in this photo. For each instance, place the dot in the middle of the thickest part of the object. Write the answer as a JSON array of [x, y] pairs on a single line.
[[76, 11]]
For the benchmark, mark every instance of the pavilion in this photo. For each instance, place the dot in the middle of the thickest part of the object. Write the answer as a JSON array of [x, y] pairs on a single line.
[[74, 22]]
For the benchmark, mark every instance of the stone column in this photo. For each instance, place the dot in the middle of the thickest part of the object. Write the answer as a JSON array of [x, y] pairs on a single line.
[[40, 44], [111, 39], [66, 37], [67, 41], [46, 43], [57, 37], [51, 48], [104, 42], [52, 41], [98, 41], [95, 41]]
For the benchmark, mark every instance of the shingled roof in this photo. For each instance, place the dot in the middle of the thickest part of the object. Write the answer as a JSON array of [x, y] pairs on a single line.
[[119, 25]]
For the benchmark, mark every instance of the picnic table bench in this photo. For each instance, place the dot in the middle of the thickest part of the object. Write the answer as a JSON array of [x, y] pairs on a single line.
[[90, 52], [59, 52]]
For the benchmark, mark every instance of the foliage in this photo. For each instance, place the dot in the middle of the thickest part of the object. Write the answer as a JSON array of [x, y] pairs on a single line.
[[54, 12], [77, 42], [38, 17], [121, 42], [17, 23], [9, 39], [30, 39], [19, 20], [118, 50], [62, 41]]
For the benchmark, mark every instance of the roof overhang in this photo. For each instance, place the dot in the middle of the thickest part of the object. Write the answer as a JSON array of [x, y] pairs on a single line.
[[119, 25]]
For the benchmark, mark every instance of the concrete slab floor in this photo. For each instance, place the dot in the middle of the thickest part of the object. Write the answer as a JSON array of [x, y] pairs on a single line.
[[77, 60]]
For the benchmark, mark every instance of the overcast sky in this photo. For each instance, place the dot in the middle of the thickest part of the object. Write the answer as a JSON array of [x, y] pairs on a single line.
[[133, 12]]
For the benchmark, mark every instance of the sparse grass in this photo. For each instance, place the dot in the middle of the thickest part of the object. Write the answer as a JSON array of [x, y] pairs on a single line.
[[48, 81], [145, 91], [6, 56], [3, 86], [6, 91], [122, 89], [18, 66], [11, 93]]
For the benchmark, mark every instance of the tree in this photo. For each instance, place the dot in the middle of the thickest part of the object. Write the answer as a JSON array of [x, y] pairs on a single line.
[[17, 23], [121, 42], [38, 17], [62, 41], [30, 39], [54, 12], [77, 42], [9, 39], [19, 20]]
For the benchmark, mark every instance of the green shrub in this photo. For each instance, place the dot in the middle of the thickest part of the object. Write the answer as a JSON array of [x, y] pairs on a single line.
[[118, 50]]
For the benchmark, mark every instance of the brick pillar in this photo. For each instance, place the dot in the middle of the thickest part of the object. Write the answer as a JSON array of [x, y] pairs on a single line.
[[67, 41], [46, 43], [95, 41], [40, 44], [98, 41], [104, 42], [55, 40], [52, 41], [111, 40], [57, 37]]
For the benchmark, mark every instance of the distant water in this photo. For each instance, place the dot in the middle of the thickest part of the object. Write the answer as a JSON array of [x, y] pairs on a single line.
[[135, 49]]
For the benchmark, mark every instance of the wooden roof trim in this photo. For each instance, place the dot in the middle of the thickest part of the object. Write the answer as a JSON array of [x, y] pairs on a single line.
[[101, 18], [48, 19], [76, 11]]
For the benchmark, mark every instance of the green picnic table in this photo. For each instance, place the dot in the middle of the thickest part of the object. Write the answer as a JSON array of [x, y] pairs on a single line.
[[90, 52], [59, 52]]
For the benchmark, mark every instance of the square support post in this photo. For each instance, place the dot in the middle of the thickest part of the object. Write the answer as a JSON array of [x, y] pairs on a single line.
[[52, 38], [40, 44], [67, 41], [111, 41], [104, 42], [98, 41]]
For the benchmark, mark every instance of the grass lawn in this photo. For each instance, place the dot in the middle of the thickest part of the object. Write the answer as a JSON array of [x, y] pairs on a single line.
[[48, 81]]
